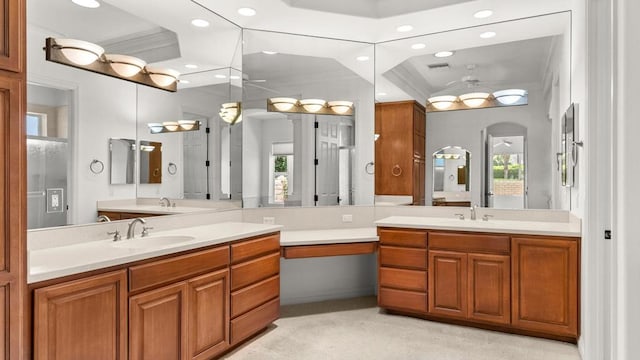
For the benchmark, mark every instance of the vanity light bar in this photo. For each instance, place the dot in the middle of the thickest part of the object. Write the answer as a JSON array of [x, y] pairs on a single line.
[[174, 126], [87, 56], [310, 106], [477, 100]]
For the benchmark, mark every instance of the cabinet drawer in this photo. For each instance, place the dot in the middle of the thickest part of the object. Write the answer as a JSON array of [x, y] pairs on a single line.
[[406, 238], [403, 279], [248, 249], [249, 272], [469, 242], [402, 300], [248, 298], [403, 257], [178, 268], [254, 321]]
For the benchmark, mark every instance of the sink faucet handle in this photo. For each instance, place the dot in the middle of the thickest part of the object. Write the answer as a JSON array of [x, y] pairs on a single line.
[[460, 216], [145, 230], [486, 217], [116, 235]]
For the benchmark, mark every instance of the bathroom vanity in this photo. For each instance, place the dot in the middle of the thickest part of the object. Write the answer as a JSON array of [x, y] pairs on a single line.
[[513, 276]]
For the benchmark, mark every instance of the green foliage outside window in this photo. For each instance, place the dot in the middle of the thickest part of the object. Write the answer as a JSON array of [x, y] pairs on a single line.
[[281, 164]]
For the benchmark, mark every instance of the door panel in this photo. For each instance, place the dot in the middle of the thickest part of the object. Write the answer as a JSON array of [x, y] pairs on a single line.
[[448, 283], [489, 288], [327, 153]]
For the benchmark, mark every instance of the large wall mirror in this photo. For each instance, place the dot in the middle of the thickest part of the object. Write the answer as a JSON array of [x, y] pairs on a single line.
[[513, 162], [80, 111], [308, 157]]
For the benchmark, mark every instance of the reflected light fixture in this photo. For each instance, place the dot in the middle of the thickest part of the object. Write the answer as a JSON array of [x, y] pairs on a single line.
[[187, 124], [171, 125], [155, 127], [269, 52], [92, 4], [313, 105], [362, 58], [442, 102], [147, 148], [341, 107], [246, 11], [404, 28], [201, 23], [191, 66], [220, 76], [231, 112], [475, 99], [443, 54], [509, 96], [284, 103], [162, 77], [418, 46], [79, 52], [125, 65], [174, 126]]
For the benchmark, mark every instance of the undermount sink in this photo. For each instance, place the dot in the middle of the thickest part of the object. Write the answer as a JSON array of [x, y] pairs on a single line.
[[154, 241]]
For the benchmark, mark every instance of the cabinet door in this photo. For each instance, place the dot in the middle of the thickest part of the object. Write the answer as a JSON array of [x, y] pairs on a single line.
[[545, 285], [208, 309], [157, 324], [82, 319], [13, 42], [489, 288], [448, 283]]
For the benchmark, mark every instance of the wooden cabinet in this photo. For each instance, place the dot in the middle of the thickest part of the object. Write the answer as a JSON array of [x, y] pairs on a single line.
[[469, 276], [402, 270], [187, 319], [545, 286], [82, 319], [14, 343], [400, 150], [119, 215], [255, 285]]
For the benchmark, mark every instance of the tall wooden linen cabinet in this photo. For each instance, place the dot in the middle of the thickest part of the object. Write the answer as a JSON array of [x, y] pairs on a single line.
[[400, 150], [13, 191]]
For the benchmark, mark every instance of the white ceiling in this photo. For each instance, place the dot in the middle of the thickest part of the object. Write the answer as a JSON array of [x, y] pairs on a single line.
[[371, 8]]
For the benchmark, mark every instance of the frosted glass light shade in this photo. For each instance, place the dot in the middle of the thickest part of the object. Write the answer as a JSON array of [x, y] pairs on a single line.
[[155, 127], [162, 77], [78, 51], [340, 107], [509, 96], [171, 125], [474, 99], [283, 103], [312, 105], [187, 124], [442, 102], [147, 148], [125, 65]]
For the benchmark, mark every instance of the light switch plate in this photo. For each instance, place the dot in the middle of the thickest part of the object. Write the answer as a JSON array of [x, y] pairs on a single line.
[[347, 218], [270, 220], [55, 200]]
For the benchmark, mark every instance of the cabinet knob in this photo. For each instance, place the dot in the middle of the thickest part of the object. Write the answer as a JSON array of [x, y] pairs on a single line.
[[396, 170]]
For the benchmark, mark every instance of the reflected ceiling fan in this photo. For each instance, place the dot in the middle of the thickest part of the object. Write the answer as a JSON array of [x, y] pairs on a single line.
[[254, 83]]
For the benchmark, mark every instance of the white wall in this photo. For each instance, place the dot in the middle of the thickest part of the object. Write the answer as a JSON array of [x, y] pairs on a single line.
[[104, 108], [463, 128]]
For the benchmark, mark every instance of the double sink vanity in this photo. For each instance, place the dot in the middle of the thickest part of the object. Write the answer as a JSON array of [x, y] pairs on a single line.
[[194, 291]]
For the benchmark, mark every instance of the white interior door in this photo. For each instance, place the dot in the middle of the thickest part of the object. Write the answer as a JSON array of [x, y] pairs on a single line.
[[328, 160], [195, 157], [488, 191]]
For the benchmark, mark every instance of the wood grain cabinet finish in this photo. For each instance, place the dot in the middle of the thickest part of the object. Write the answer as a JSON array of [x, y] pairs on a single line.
[[489, 281], [82, 319], [401, 126], [255, 286], [448, 283], [545, 284]]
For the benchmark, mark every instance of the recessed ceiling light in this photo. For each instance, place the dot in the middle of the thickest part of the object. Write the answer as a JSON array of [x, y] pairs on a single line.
[[382, 94], [267, 52], [362, 58], [191, 66], [184, 81], [247, 11], [234, 77], [87, 3], [404, 28], [418, 46], [443, 54], [221, 76], [487, 35], [482, 14], [200, 23]]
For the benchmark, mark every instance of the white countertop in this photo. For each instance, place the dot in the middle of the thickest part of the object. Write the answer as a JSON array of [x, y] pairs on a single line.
[[328, 236], [496, 226], [153, 209], [50, 263]]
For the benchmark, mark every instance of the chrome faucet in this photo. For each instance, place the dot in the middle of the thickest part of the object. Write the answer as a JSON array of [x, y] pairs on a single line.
[[103, 218], [164, 201], [132, 227], [473, 211]]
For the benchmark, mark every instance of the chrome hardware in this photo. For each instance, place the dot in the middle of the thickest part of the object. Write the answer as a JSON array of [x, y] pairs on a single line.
[[460, 216], [116, 235], [486, 217], [145, 231], [132, 227]]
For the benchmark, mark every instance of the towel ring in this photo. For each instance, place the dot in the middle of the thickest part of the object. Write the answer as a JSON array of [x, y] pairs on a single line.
[[370, 168], [396, 170], [172, 168], [96, 166]]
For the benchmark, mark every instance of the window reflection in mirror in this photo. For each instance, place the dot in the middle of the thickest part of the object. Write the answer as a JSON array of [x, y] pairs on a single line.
[[451, 167], [150, 171]]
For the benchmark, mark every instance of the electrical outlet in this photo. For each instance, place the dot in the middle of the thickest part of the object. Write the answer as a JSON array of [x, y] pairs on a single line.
[[268, 220], [347, 218]]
